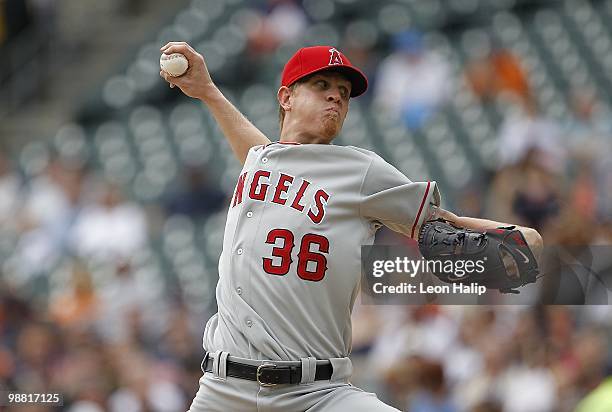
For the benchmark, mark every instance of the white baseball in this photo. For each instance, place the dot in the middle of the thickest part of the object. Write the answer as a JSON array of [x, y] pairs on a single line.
[[174, 64]]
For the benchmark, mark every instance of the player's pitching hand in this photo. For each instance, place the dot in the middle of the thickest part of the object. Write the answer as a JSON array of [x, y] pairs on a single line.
[[196, 82]]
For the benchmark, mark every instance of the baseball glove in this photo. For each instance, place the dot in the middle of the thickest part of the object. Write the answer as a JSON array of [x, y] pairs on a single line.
[[506, 261]]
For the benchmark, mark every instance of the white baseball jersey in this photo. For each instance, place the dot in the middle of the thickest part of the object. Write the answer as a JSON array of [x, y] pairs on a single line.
[[291, 267]]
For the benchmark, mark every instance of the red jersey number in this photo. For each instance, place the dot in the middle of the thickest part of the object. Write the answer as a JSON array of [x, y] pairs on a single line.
[[305, 255], [283, 252]]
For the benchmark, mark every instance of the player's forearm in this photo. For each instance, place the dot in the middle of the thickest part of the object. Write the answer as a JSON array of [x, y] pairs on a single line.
[[532, 237], [237, 129]]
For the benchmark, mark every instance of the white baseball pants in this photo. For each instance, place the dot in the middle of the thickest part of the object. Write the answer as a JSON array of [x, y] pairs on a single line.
[[221, 393]]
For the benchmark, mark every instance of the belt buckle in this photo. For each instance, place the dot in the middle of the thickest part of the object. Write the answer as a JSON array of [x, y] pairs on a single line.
[[258, 374]]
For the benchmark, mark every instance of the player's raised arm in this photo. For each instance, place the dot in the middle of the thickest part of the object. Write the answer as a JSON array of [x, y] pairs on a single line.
[[197, 83]]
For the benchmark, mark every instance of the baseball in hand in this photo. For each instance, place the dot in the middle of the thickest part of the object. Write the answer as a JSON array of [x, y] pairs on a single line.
[[174, 64]]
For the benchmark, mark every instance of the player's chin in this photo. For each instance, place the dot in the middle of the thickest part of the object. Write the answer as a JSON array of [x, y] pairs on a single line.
[[331, 127]]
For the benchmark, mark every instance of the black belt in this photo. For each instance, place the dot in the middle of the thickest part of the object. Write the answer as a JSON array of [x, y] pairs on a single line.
[[269, 374]]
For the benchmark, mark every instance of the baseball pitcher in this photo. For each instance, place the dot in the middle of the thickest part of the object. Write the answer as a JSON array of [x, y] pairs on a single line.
[[301, 210]]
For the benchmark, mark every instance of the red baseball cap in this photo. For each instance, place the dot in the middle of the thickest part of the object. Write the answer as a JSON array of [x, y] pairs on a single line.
[[308, 60]]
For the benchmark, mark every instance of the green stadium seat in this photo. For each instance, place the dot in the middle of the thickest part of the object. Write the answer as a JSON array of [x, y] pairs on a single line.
[[195, 22]]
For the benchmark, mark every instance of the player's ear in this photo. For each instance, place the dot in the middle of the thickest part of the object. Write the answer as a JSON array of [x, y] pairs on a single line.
[[284, 98]]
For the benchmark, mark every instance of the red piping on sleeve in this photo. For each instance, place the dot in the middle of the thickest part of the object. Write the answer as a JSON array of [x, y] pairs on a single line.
[[420, 210]]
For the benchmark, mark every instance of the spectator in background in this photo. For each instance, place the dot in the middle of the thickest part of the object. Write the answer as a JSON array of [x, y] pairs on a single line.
[[111, 229], [84, 374], [537, 198], [531, 161], [361, 48], [525, 128], [588, 133], [589, 121], [583, 193], [52, 202], [413, 82], [125, 310], [526, 192], [432, 394], [53, 196], [494, 70], [486, 382], [487, 406], [279, 21], [531, 378], [571, 236], [177, 347], [603, 181], [144, 385], [37, 350], [78, 306], [267, 25], [198, 197], [590, 350]]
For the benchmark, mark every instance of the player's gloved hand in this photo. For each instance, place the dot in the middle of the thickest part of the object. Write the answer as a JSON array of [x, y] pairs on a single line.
[[196, 82], [507, 259]]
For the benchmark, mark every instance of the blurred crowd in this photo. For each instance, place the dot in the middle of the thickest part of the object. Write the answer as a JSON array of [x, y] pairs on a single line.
[[82, 314], [95, 364], [477, 359]]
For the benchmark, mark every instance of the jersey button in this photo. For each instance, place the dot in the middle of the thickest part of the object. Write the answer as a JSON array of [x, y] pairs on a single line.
[[239, 290], [239, 251], [249, 323], [264, 160], [249, 214]]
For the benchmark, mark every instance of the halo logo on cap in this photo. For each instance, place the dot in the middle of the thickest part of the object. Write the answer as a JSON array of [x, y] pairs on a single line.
[[334, 57]]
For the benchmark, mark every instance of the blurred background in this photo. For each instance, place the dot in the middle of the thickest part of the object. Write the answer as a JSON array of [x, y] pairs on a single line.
[[114, 187]]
